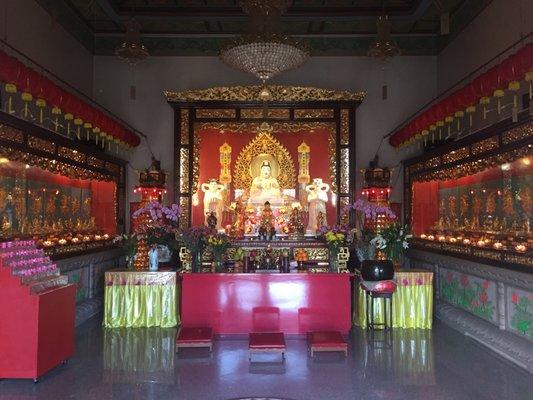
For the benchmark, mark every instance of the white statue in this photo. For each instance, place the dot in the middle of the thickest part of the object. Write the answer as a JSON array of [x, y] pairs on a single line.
[[213, 200], [153, 258], [317, 196], [265, 187]]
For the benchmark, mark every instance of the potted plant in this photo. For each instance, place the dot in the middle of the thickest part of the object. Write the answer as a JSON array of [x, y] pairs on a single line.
[[218, 243], [129, 247], [392, 240]]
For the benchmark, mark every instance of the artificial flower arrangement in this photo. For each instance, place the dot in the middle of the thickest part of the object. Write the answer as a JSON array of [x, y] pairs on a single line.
[[335, 237], [218, 243], [392, 240], [366, 217], [162, 224], [194, 238]]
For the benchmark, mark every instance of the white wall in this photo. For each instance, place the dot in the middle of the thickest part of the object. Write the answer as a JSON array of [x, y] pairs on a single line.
[[498, 26], [31, 30], [411, 82]]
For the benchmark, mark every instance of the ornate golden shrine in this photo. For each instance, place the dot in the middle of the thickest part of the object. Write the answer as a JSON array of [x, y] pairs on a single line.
[[241, 109], [263, 144]]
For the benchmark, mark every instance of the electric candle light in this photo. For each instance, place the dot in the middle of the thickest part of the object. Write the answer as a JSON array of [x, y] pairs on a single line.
[[466, 241], [62, 241], [431, 237], [497, 245], [481, 243], [453, 240], [520, 248], [442, 238], [423, 236]]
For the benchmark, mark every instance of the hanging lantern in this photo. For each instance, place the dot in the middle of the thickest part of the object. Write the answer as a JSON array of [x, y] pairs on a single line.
[[9, 71], [26, 80]]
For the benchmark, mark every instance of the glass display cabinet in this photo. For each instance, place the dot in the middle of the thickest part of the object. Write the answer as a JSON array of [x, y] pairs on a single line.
[[473, 198], [62, 193]]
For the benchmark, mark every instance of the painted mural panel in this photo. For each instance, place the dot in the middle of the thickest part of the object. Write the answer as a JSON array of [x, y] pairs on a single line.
[[520, 311], [473, 294], [80, 278]]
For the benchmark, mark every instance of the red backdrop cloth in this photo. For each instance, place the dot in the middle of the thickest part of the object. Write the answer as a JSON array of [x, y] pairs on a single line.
[[425, 209], [212, 139], [103, 205]]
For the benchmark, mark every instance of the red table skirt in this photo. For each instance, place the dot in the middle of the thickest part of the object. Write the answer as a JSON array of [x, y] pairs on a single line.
[[289, 303]]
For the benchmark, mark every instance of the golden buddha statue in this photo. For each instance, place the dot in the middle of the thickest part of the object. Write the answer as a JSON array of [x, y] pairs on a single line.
[[265, 187]]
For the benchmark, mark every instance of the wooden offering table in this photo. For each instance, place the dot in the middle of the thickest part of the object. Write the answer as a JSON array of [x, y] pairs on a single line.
[[140, 299], [294, 303]]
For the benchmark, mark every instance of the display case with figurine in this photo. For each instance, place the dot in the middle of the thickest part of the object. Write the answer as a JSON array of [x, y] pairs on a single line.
[[65, 195], [474, 199]]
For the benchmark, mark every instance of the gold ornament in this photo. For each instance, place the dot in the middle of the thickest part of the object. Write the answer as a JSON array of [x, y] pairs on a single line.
[[254, 93], [264, 144], [303, 163], [225, 161]]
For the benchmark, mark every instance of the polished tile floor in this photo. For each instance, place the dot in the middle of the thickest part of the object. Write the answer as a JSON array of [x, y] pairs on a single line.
[[141, 364]]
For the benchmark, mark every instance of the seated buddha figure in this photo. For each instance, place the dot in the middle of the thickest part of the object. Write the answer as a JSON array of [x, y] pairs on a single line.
[[265, 188]]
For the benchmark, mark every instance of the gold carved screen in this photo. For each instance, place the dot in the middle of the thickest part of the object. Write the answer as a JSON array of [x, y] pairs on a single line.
[[238, 109]]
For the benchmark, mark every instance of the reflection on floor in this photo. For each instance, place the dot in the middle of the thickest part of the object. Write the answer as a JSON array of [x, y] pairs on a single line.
[[409, 364]]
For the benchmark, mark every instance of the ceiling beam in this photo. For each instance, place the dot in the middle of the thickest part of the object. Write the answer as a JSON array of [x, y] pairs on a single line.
[[300, 13]]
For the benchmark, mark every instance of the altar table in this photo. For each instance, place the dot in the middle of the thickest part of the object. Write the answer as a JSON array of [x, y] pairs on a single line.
[[289, 303], [412, 302], [140, 299]]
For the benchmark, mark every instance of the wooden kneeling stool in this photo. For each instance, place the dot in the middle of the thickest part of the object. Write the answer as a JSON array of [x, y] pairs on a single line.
[[327, 341], [195, 337], [267, 342]]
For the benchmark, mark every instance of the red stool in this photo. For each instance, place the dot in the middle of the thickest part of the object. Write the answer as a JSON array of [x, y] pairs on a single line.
[[195, 337], [378, 290], [267, 342], [327, 341]]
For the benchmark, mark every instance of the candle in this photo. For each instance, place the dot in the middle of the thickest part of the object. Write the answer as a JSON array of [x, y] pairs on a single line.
[[423, 236], [453, 240], [481, 243], [62, 241], [498, 245], [431, 237], [442, 238], [466, 241]]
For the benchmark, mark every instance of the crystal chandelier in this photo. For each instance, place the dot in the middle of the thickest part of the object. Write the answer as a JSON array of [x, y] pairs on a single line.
[[384, 47], [264, 52], [132, 50]]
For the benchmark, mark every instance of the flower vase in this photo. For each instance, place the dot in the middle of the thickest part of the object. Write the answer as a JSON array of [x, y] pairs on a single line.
[[196, 261], [129, 262], [153, 259], [334, 260]]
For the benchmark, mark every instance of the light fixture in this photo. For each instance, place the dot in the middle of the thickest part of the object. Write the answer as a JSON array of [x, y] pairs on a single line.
[[264, 51], [132, 50], [384, 47]]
